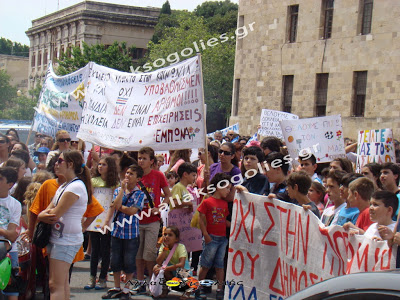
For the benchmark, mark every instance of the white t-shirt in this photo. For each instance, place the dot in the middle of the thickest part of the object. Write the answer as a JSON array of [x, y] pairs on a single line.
[[68, 230], [10, 212], [331, 212], [372, 230]]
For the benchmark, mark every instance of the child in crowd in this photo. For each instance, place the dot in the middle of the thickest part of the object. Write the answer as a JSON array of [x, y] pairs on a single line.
[[254, 181], [330, 214], [347, 213], [383, 206], [298, 185], [390, 177], [159, 162], [308, 163], [178, 260], [213, 212], [11, 214], [360, 192], [316, 193], [128, 200], [172, 178]]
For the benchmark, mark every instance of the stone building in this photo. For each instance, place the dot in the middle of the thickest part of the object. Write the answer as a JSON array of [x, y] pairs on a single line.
[[17, 68], [90, 22], [319, 57]]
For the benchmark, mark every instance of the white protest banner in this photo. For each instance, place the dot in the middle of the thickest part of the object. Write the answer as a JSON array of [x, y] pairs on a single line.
[[321, 136], [60, 103], [189, 236], [277, 248], [162, 109], [269, 122], [375, 146], [104, 196], [234, 127]]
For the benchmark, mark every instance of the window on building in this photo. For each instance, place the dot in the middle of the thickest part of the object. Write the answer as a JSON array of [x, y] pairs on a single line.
[[78, 44], [287, 82], [321, 94], [55, 54], [366, 10], [61, 51], [293, 18], [240, 24], [33, 61], [137, 53], [327, 13], [39, 58], [45, 58], [360, 91], [236, 97]]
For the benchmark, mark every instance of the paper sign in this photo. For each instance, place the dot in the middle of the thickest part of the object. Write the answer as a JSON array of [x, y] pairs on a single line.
[[60, 103], [375, 146], [104, 196], [321, 136], [269, 122], [277, 249], [162, 109]]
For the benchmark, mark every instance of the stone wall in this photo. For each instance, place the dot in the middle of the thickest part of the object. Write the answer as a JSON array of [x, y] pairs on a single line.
[[17, 68]]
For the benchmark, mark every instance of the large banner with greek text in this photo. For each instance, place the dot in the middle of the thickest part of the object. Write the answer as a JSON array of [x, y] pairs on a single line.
[[163, 109], [277, 248], [269, 122], [60, 103], [234, 127], [321, 136], [375, 146]]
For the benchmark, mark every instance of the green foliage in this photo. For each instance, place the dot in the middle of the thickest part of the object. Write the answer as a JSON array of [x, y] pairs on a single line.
[[166, 21], [7, 92], [166, 8], [13, 48], [116, 56]]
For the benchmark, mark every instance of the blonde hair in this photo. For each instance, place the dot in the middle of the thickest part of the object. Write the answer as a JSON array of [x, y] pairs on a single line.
[[30, 194], [41, 176], [60, 132]]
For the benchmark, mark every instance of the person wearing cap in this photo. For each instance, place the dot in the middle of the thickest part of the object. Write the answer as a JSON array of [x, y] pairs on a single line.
[[41, 155]]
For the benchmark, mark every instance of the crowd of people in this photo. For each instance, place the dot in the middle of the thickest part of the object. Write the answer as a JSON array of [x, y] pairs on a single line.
[[56, 182]]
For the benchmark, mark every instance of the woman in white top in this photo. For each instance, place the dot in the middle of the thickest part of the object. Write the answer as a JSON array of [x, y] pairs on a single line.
[[65, 212]]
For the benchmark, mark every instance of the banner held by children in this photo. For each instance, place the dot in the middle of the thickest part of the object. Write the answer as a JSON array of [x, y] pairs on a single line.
[[321, 136], [60, 103], [163, 109], [375, 146], [277, 248], [269, 122]]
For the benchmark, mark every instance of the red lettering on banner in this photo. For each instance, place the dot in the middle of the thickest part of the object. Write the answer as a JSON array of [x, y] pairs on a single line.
[[234, 263], [377, 250], [233, 228], [293, 277], [313, 277], [337, 235], [277, 271], [389, 256], [363, 257], [253, 260], [243, 221], [281, 210], [324, 256], [305, 245], [291, 232], [304, 275], [263, 241]]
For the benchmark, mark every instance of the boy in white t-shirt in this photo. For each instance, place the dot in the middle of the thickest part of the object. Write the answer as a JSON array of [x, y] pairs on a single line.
[[330, 214], [383, 206], [10, 214]]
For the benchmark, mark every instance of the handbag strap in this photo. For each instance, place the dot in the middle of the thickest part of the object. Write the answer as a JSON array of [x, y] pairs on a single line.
[[65, 187], [144, 190], [127, 198], [169, 256]]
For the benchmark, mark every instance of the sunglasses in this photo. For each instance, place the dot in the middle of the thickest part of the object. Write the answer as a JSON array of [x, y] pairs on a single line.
[[60, 160], [39, 136], [74, 142], [225, 152], [3, 141], [64, 140]]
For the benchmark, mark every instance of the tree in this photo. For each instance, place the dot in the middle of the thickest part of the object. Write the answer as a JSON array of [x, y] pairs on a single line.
[[166, 8], [7, 92], [13, 48], [116, 56]]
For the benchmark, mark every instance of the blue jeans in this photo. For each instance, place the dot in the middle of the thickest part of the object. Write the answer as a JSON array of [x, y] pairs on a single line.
[[123, 254], [214, 252]]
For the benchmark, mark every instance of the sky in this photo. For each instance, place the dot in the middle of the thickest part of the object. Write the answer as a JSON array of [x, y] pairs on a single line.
[[16, 16]]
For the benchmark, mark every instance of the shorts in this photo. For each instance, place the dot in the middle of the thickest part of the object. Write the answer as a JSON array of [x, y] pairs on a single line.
[[148, 234], [123, 254], [12, 290], [65, 253], [214, 252]]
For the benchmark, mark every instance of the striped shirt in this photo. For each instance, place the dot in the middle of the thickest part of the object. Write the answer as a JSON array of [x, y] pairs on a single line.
[[126, 226]]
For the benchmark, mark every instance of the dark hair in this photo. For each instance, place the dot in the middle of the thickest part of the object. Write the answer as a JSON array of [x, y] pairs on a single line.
[[80, 169], [14, 134], [308, 156], [15, 163], [5, 137], [177, 155], [21, 189], [394, 168], [302, 180], [21, 154], [272, 143], [149, 151], [345, 164], [273, 157], [175, 230], [232, 148], [218, 178], [172, 174], [388, 199], [186, 167], [213, 150], [238, 146], [9, 173], [320, 189], [52, 163], [375, 169], [336, 175], [25, 147], [349, 177], [325, 172], [112, 178], [137, 169], [253, 150], [363, 186], [126, 161]]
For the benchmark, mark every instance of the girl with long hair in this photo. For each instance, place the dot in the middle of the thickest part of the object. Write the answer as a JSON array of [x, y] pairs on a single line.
[[178, 158]]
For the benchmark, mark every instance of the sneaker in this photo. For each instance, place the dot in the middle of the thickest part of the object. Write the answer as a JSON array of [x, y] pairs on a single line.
[[91, 284], [200, 294], [141, 290], [112, 294], [101, 284], [125, 296], [220, 295]]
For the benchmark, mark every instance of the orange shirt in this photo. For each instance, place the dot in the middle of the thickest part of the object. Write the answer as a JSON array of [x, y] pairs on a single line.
[[43, 199]]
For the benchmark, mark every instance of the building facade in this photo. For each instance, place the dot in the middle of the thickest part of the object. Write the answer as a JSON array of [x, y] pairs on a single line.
[[89, 22], [319, 57], [17, 67]]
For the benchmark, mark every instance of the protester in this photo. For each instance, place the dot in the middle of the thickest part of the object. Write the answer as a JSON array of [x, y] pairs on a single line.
[[63, 142], [271, 144], [159, 162], [218, 136], [212, 158], [172, 178], [316, 193], [4, 145], [390, 178], [330, 214], [347, 213], [308, 163], [33, 147], [276, 171], [178, 158], [342, 164], [373, 172]]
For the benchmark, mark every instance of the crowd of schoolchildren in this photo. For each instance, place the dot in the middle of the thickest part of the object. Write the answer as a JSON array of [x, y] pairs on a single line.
[[55, 182]]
